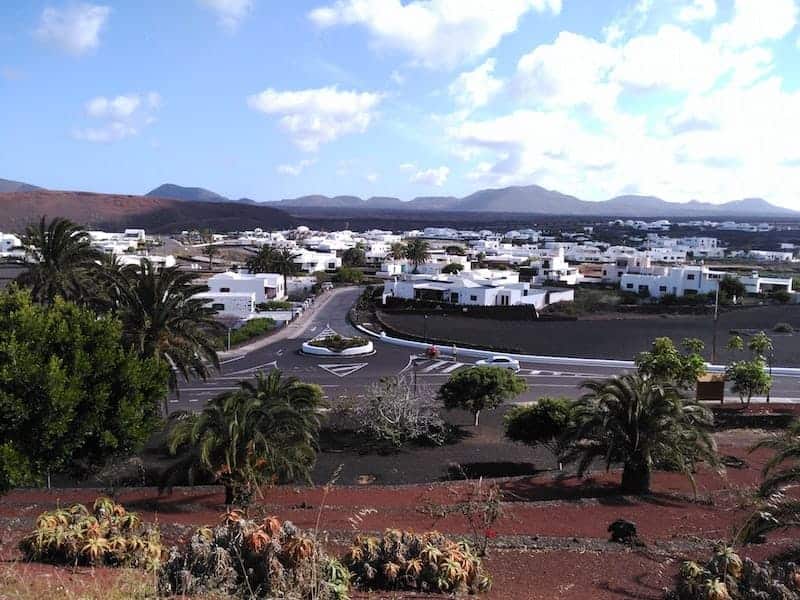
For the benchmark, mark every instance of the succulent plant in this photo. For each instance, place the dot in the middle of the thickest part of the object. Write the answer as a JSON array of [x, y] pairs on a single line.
[[108, 535]]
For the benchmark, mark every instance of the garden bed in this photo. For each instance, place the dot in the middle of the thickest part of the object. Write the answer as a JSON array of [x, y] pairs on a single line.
[[336, 345]]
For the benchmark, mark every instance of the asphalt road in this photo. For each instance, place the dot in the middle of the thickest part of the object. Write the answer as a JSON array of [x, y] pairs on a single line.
[[346, 377]]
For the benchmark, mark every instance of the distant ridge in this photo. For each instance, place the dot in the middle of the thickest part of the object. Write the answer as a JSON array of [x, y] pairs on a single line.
[[7, 185], [179, 192], [534, 199]]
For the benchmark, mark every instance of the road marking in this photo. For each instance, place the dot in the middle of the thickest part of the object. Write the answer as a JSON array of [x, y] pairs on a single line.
[[436, 364], [343, 370], [273, 364], [234, 359], [453, 367]]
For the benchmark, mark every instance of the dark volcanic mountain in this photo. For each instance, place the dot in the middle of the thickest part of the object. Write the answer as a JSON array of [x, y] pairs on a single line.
[[533, 199], [179, 192], [159, 215], [6, 185]]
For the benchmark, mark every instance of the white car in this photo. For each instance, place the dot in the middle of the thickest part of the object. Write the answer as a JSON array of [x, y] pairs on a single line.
[[500, 361]]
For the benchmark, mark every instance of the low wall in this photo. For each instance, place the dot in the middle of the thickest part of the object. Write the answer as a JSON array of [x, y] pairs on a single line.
[[367, 348]]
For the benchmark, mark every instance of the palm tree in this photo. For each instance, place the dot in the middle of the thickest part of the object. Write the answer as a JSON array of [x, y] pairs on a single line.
[[418, 252], [641, 423], [261, 261], [60, 259], [780, 473], [283, 263], [397, 250], [162, 318], [263, 433]]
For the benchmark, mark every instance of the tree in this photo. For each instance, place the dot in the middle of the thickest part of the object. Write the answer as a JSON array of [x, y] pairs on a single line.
[[261, 261], [640, 422], [731, 289], [397, 251], [71, 393], [283, 263], [749, 377], [210, 250], [543, 423], [760, 344], [452, 269], [60, 260], [418, 252], [779, 508], [480, 388], [265, 432], [666, 364], [162, 319], [354, 257], [455, 250], [348, 275]]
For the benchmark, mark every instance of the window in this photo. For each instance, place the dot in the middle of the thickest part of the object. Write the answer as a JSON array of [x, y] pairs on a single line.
[[642, 288], [473, 298], [662, 288], [218, 306], [629, 286], [690, 277], [524, 292], [224, 290], [619, 273]]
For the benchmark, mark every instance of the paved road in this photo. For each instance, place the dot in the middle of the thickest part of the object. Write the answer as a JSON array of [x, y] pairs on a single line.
[[348, 376]]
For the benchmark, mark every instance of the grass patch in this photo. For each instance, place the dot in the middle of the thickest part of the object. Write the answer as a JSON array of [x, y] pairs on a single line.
[[251, 329], [337, 343], [23, 582]]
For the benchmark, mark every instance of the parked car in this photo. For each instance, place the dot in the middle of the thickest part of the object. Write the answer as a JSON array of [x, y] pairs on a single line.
[[500, 361]]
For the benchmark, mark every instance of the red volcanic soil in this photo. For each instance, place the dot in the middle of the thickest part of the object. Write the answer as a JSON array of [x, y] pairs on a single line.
[[159, 215], [551, 541]]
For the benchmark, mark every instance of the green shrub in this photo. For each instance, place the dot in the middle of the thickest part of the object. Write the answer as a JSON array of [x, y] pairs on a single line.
[[243, 558], [274, 305], [781, 296], [108, 535], [348, 275], [783, 328], [251, 329], [542, 423], [337, 343], [428, 563]]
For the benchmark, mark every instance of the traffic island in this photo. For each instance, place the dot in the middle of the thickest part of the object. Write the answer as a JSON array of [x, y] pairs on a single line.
[[330, 343]]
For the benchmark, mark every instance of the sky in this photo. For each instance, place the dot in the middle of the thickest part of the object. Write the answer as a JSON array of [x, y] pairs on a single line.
[[267, 99]]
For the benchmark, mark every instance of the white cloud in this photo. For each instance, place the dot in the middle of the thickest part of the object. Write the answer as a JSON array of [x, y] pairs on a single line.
[[698, 10], [75, 29], [122, 116], [756, 21], [436, 176], [372, 177], [295, 169], [571, 71], [672, 58], [313, 117], [473, 89], [230, 13], [397, 77], [435, 33]]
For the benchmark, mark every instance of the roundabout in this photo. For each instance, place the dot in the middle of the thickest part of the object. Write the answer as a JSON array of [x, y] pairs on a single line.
[[330, 343]]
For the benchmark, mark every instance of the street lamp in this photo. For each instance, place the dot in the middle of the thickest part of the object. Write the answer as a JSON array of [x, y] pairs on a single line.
[[425, 327]]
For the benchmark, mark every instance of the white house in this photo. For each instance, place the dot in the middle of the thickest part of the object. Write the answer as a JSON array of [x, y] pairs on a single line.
[[311, 261], [239, 305], [678, 281], [754, 284], [8, 241], [473, 292], [263, 286]]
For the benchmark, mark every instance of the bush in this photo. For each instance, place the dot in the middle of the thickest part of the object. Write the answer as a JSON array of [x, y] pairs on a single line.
[[391, 411], [783, 328], [542, 423], [781, 296], [348, 275], [727, 576], [251, 329], [337, 343], [428, 563], [241, 557], [108, 535], [274, 305]]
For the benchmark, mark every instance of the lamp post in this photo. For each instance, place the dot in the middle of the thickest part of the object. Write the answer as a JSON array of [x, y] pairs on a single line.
[[425, 327], [716, 319]]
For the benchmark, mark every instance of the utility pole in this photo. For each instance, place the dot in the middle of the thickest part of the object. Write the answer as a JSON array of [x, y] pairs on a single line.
[[716, 319], [229, 339]]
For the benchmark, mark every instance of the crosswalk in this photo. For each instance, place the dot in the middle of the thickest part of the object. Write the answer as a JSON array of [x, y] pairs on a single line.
[[435, 367]]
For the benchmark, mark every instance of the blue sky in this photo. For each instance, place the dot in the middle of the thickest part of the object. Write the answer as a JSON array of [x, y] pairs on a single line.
[[267, 99]]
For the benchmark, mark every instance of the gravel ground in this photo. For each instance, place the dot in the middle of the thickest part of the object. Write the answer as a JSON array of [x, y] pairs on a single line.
[[613, 337]]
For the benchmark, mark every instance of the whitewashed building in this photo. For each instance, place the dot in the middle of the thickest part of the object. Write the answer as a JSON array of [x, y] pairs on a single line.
[[263, 286]]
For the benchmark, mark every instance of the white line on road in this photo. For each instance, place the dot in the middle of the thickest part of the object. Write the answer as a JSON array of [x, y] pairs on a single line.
[[435, 365]]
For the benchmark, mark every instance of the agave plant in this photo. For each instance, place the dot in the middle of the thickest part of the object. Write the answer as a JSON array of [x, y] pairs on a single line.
[[243, 557], [108, 535], [404, 560]]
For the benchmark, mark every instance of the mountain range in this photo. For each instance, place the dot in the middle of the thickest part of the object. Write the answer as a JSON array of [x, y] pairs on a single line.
[[531, 199]]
